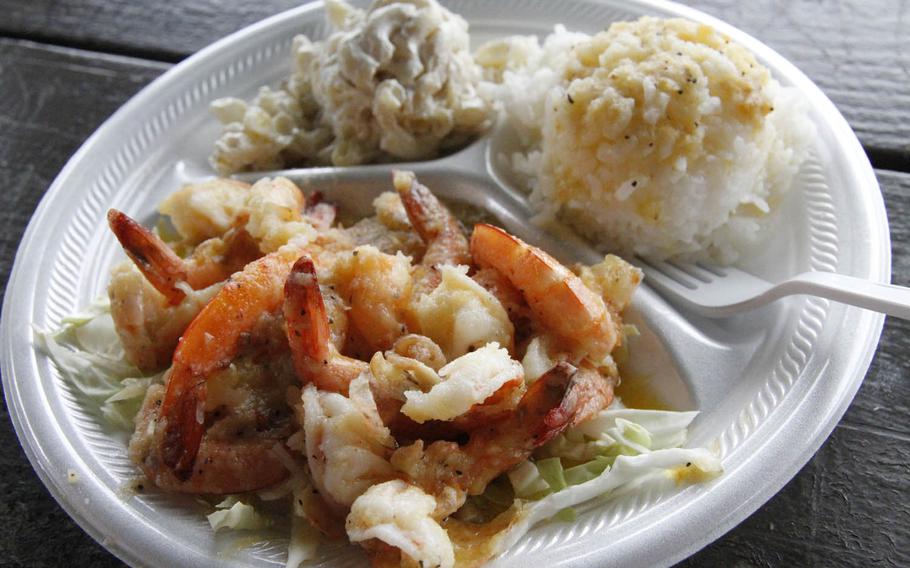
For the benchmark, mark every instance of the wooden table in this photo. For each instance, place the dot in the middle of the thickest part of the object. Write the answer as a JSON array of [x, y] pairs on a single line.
[[66, 65]]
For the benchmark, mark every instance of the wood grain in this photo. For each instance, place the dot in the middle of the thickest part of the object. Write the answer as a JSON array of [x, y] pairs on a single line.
[[858, 52], [51, 100], [847, 507]]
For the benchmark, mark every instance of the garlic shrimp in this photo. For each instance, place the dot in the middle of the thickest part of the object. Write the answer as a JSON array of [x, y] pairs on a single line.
[[451, 472], [435, 225], [309, 330], [212, 261], [210, 343], [556, 296]]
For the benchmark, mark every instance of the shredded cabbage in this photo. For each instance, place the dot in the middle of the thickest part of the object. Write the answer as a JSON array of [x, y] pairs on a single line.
[[305, 540], [235, 514], [614, 448], [671, 465], [89, 355]]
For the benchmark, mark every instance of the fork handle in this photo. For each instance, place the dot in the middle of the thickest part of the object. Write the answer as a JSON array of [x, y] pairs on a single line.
[[885, 298]]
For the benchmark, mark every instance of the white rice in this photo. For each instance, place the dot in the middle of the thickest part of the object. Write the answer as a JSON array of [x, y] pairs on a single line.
[[657, 137]]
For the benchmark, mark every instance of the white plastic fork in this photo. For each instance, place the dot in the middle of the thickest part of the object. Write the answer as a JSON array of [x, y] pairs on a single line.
[[715, 291]]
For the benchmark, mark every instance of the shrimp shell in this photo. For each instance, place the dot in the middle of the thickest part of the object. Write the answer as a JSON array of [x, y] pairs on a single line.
[[556, 296]]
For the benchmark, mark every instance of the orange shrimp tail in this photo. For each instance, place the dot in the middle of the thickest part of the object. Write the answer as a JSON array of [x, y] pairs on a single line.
[[157, 262], [315, 358], [433, 222], [586, 393], [304, 311], [183, 431], [209, 343], [548, 405]]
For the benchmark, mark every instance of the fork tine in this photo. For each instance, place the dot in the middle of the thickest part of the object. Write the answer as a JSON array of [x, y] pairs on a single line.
[[712, 268], [666, 274], [693, 270]]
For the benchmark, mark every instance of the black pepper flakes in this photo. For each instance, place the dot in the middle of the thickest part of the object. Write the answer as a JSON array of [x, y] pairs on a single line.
[[571, 100]]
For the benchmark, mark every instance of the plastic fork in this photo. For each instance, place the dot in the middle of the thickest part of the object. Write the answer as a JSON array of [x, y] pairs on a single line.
[[714, 291]]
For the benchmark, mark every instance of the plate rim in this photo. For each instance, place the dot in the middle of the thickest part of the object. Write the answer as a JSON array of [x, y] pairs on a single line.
[[857, 368]]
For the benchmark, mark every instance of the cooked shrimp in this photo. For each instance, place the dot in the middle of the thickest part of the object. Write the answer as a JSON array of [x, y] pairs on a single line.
[[246, 418], [217, 258], [319, 213], [157, 262], [377, 288], [201, 211], [420, 348], [592, 393], [419, 402], [309, 330], [212, 261], [275, 216], [451, 472], [210, 343], [223, 465], [465, 386], [460, 315], [148, 325], [389, 230], [510, 297], [436, 226], [347, 445], [556, 296], [400, 515]]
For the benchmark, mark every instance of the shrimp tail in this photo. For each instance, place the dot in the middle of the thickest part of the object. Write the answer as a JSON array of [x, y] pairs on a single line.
[[304, 311], [433, 222], [310, 336], [183, 432], [587, 393], [157, 262], [550, 403], [319, 212]]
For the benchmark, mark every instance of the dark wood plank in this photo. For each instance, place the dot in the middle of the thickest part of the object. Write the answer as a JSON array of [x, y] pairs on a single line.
[[160, 30], [846, 507], [856, 51], [51, 99]]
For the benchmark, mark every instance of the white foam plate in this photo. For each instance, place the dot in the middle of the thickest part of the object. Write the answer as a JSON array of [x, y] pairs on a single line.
[[771, 385]]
